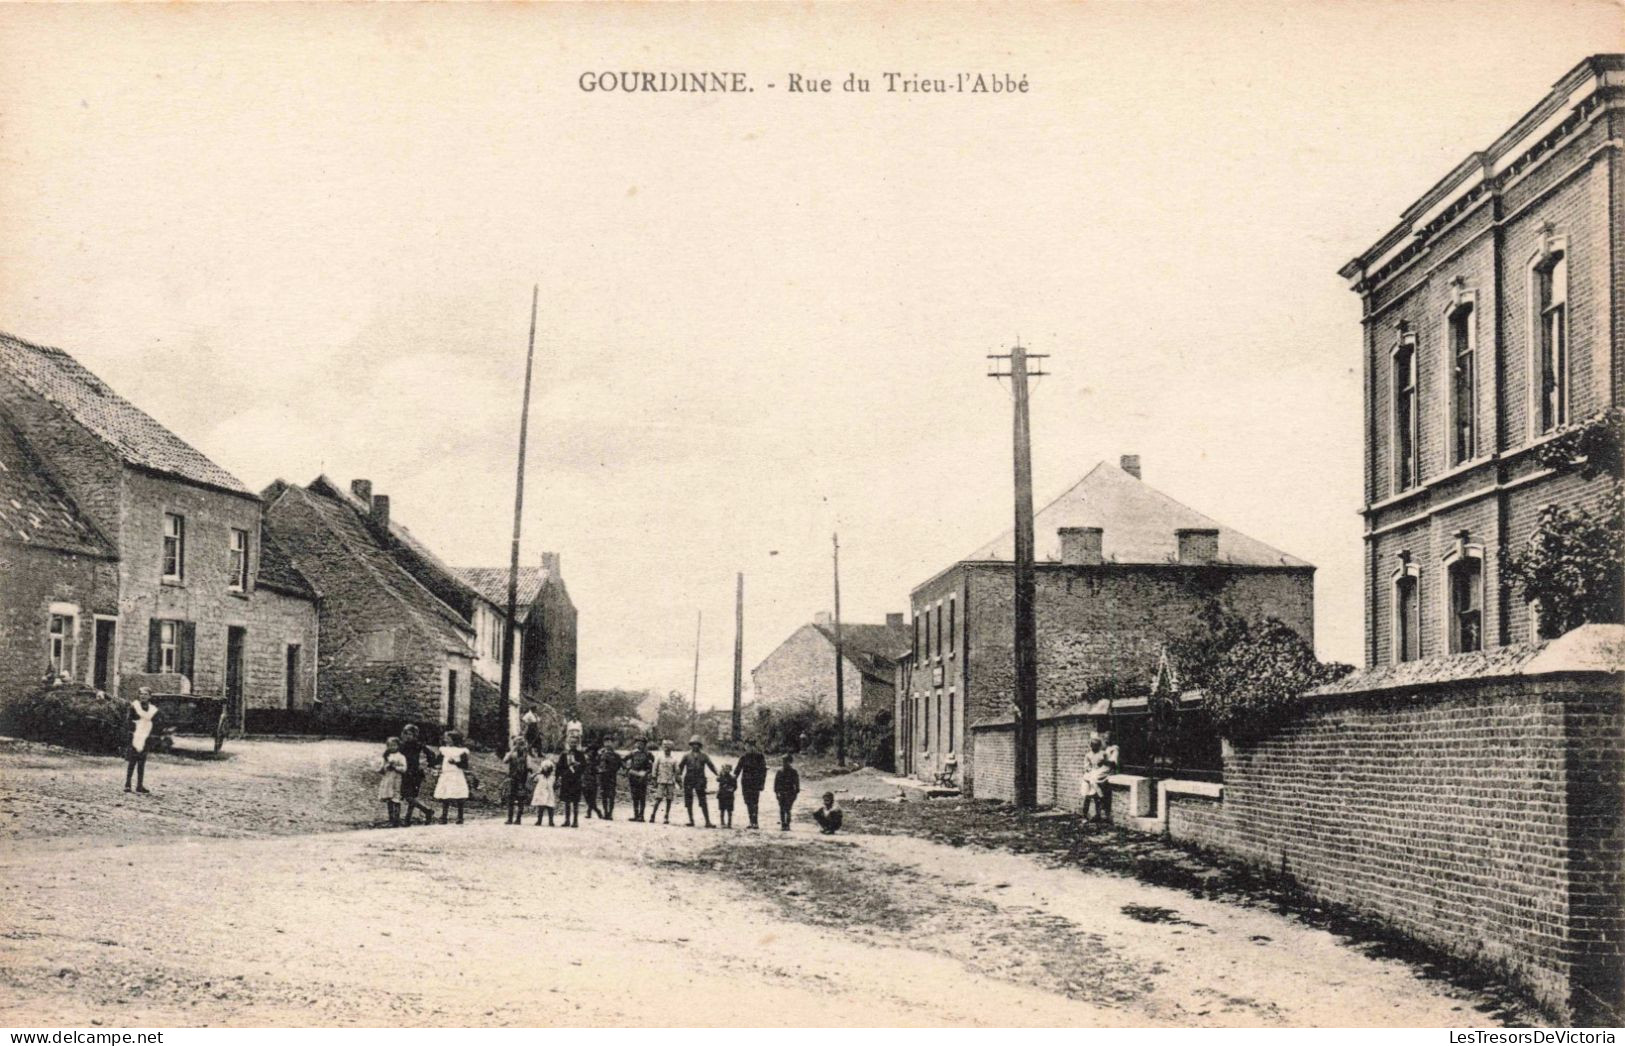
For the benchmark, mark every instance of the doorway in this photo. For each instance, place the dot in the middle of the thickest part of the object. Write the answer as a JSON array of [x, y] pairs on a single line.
[[102, 671], [236, 639]]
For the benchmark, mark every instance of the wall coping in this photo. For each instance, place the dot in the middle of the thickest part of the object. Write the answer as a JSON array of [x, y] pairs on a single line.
[[1588, 650], [1206, 789], [1124, 780]]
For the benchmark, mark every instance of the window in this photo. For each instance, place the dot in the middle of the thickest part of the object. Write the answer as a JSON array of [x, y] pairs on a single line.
[[61, 644], [915, 649], [939, 631], [451, 698], [379, 645], [1405, 415], [174, 547], [928, 632], [1467, 604], [953, 643], [1552, 340], [924, 721], [1463, 387], [1407, 616], [292, 679], [239, 560], [951, 720], [169, 644]]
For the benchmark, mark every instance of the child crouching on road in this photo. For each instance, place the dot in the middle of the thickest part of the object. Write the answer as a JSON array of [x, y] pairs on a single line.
[[828, 816]]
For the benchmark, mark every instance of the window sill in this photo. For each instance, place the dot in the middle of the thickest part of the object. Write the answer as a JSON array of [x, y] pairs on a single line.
[[238, 593], [173, 582]]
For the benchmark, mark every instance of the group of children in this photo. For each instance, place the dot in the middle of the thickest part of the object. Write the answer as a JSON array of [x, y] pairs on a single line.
[[560, 784]]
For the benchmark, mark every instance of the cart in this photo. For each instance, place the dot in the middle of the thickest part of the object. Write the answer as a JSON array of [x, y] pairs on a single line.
[[191, 714]]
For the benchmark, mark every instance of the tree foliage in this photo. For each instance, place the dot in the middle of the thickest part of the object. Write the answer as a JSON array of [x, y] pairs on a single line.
[[1571, 566]]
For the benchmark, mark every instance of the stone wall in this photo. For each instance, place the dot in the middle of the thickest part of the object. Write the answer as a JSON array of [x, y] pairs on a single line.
[[34, 579]]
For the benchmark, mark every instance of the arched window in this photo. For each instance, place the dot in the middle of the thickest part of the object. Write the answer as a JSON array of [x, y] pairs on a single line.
[[1549, 308], [1406, 422], [1407, 617], [1464, 591], [1463, 384]]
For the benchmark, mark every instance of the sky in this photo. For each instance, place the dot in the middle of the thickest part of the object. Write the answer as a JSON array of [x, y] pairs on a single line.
[[304, 238]]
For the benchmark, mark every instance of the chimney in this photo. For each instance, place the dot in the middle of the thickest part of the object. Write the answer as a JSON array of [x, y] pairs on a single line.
[[894, 620], [1081, 546], [380, 511], [825, 618], [362, 489], [550, 564], [1198, 545], [1130, 463]]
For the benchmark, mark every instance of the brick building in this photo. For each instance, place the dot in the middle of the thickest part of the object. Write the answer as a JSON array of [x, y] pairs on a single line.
[[1493, 318], [545, 657], [393, 649], [1121, 570], [801, 670], [194, 599]]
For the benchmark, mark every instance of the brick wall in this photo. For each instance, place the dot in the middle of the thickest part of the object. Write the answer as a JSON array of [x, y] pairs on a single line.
[[1481, 816], [1062, 744]]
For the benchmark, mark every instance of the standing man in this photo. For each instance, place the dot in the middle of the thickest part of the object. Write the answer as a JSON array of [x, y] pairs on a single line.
[[752, 778], [695, 763], [589, 781], [139, 718], [418, 759], [667, 769], [638, 767], [609, 766]]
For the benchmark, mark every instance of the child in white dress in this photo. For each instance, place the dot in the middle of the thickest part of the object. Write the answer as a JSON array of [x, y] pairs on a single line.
[[389, 779], [453, 784], [544, 795]]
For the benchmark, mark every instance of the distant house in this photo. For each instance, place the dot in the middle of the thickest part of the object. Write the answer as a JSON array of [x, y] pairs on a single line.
[[394, 647], [545, 656], [801, 671], [130, 557], [1121, 570]]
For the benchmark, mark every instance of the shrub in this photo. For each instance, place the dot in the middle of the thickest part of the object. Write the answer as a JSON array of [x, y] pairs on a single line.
[[1571, 566], [1255, 685], [72, 715]]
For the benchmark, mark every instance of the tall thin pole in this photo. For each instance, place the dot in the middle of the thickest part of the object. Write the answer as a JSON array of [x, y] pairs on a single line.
[[694, 694], [509, 704], [739, 657], [840, 663], [1026, 626]]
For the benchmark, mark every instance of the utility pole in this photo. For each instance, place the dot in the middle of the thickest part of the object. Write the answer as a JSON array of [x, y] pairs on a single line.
[[840, 658], [694, 694], [739, 657], [509, 703], [1026, 625]]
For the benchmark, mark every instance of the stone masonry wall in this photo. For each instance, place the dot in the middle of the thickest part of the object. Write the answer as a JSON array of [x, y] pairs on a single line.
[[35, 578]]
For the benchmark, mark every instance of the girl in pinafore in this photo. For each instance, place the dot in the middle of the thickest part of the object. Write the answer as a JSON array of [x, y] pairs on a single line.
[[453, 784], [389, 779], [544, 795]]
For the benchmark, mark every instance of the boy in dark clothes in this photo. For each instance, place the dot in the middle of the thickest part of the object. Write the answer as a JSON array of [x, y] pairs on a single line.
[[609, 765], [725, 796], [638, 766], [694, 764], [786, 786], [752, 777], [514, 788], [589, 780], [828, 816], [568, 774], [419, 757]]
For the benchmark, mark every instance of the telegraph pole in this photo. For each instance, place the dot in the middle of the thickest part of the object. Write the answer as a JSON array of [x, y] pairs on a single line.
[[739, 656], [694, 694], [1026, 626], [508, 701], [840, 681]]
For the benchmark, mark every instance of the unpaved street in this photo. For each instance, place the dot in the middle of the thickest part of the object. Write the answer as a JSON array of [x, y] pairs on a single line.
[[616, 923]]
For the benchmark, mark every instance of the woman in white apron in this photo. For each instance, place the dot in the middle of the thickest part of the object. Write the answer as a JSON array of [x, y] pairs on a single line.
[[142, 714]]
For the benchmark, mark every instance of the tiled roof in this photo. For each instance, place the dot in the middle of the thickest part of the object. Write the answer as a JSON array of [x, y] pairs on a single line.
[[34, 510], [276, 569], [135, 437], [1137, 522], [873, 648], [346, 530], [491, 584], [447, 577]]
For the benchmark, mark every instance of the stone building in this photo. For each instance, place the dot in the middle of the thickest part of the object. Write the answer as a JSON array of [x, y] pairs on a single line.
[[1493, 318], [1121, 570], [801, 670], [393, 649], [545, 655], [194, 598]]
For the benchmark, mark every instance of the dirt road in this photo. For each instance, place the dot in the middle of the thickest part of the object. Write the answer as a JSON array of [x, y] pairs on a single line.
[[624, 924]]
